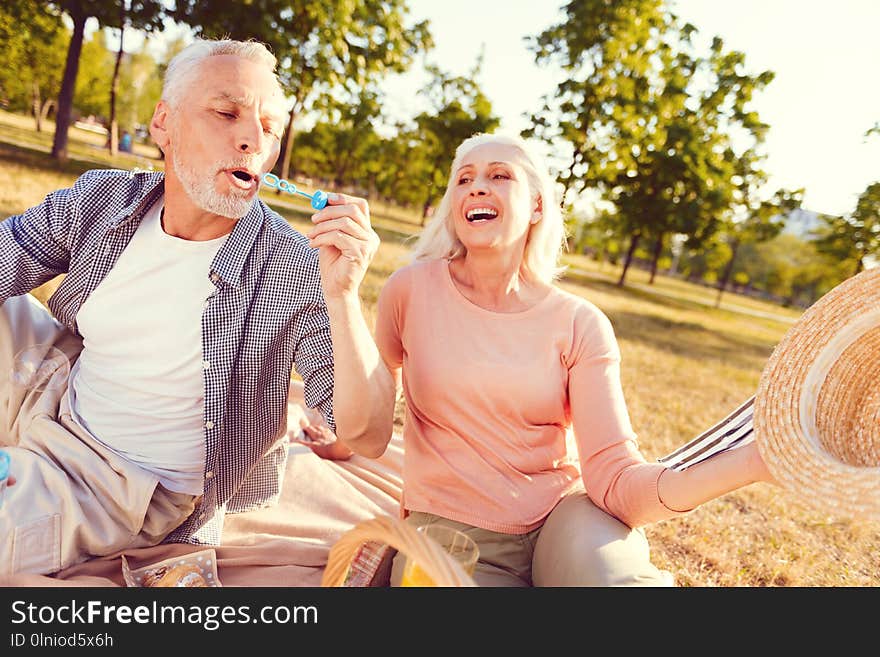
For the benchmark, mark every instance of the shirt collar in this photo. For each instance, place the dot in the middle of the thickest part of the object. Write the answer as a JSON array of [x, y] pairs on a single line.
[[230, 260], [148, 189]]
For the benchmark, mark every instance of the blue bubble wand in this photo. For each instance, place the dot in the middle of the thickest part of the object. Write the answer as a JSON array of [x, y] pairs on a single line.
[[318, 199]]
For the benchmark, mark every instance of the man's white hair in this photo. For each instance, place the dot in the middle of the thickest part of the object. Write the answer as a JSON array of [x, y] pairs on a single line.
[[186, 63]]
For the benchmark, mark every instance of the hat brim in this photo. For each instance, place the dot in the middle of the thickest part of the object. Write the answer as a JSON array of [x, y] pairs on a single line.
[[819, 376]]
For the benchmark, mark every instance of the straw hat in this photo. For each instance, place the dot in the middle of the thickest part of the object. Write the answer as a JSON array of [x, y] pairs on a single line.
[[817, 409]]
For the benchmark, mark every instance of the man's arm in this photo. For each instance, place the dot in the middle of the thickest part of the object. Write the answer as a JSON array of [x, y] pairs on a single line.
[[363, 389], [34, 244]]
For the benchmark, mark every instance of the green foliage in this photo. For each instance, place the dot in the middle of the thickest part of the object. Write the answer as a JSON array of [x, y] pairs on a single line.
[[854, 238], [411, 167], [140, 13], [342, 149], [790, 269], [141, 88], [92, 94], [338, 47], [649, 121], [459, 109], [33, 41]]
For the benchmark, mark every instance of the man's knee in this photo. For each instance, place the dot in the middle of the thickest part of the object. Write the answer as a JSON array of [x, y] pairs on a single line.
[[581, 545]]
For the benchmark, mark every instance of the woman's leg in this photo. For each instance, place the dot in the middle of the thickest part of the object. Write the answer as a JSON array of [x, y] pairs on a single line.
[[581, 545], [504, 561]]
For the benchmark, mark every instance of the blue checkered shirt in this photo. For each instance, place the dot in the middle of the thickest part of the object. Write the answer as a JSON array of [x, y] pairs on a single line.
[[265, 316]]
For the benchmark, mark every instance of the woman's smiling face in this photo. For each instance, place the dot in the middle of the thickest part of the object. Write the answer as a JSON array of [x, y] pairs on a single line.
[[492, 204]]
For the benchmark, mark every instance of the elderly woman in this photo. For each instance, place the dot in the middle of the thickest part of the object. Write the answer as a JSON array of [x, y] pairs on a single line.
[[517, 431]]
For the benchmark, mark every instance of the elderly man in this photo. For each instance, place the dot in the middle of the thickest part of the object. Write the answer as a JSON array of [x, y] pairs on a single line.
[[185, 306]]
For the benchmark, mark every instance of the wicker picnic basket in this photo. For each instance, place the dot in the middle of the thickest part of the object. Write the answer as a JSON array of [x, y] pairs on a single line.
[[433, 559]]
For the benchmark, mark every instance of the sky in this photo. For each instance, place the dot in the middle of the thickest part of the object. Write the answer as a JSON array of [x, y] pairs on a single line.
[[825, 96]]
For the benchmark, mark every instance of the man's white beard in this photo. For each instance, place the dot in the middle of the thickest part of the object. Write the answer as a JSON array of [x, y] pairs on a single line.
[[200, 189]]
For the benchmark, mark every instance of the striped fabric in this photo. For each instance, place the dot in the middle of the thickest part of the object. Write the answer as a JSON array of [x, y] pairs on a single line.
[[366, 565], [265, 316], [733, 431]]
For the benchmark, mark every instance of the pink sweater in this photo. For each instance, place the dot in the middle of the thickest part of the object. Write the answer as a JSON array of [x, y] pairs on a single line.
[[505, 412]]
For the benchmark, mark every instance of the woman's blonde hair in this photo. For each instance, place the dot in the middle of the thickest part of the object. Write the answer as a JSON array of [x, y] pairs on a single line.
[[546, 238]]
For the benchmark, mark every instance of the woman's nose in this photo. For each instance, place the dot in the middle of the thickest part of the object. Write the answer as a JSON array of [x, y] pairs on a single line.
[[478, 187]]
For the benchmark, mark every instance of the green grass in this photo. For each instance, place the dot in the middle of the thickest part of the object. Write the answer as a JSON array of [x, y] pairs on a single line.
[[685, 365]]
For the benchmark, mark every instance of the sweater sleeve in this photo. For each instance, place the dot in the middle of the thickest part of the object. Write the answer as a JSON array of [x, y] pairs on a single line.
[[389, 316], [616, 475], [620, 482]]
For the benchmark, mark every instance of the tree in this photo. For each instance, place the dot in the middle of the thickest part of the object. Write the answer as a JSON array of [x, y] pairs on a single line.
[[113, 142], [106, 12], [337, 148], [758, 220], [95, 68], [136, 15], [405, 167], [335, 46], [139, 76], [854, 238], [458, 110], [790, 269], [33, 40], [648, 120]]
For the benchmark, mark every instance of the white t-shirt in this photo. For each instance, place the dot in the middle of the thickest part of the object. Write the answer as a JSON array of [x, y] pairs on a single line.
[[138, 385]]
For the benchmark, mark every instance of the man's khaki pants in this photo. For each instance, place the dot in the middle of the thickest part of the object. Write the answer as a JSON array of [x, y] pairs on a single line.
[[74, 498]]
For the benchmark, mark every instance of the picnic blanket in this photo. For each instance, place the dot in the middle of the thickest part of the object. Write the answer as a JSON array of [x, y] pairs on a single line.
[[283, 545], [288, 544]]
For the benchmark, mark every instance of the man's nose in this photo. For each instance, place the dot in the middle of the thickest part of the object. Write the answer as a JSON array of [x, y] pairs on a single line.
[[250, 136]]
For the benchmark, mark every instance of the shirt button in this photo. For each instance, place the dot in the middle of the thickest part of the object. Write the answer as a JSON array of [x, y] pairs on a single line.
[[205, 365], [209, 474], [209, 425], [215, 277]]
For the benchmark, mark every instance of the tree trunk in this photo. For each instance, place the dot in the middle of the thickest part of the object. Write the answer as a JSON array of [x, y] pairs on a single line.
[[633, 243], [425, 208], [728, 270], [114, 85], [286, 149], [570, 178], [68, 85], [658, 248], [37, 105], [47, 106]]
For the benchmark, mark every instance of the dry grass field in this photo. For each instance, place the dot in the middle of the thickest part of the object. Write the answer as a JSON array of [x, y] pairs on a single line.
[[685, 366]]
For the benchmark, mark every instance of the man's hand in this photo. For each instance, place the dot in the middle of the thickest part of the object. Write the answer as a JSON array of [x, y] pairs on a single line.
[[347, 243], [318, 437]]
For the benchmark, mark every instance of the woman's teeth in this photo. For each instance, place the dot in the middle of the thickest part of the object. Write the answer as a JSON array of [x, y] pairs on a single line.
[[481, 214]]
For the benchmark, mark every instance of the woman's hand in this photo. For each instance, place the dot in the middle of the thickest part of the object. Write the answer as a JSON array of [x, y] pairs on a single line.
[[347, 243], [758, 466]]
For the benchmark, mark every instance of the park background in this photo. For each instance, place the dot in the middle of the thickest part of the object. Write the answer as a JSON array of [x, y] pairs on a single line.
[[709, 197]]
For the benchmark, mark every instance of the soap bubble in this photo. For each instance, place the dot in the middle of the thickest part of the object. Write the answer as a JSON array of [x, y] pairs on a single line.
[[40, 367]]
